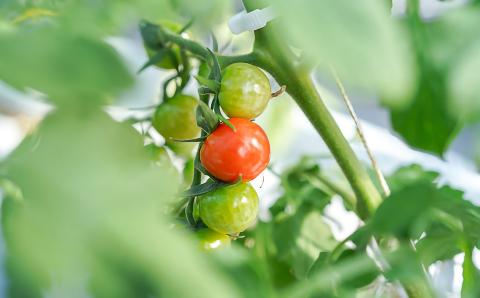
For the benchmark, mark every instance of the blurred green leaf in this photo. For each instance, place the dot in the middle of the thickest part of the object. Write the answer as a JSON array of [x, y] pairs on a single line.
[[399, 213], [445, 56], [93, 216], [427, 124], [408, 175], [247, 271], [470, 273], [356, 38], [65, 67], [406, 267], [200, 189], [464, 88], [304, 187], [299, 239], [418, 205], [438, 245]]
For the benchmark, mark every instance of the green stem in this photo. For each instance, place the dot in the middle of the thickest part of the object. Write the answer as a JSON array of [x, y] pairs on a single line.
[[272, 54]]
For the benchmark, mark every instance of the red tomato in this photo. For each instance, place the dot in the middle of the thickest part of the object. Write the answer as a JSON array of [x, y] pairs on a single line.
[[229, 155]]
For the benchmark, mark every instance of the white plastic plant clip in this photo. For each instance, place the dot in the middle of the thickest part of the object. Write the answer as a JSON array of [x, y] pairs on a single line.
[[251, 21]]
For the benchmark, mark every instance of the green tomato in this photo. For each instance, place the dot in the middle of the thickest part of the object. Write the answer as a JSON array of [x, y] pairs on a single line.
[[181, 149], [244, 91], [158, 154], [168, 62], [210, 240], [229, 210], [176, 119]]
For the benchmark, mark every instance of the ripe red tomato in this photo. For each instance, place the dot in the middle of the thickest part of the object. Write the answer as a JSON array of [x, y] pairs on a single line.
[[229, 155]]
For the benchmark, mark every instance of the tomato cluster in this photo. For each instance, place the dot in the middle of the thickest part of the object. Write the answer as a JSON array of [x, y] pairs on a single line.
[[236, 155], [234, 152]]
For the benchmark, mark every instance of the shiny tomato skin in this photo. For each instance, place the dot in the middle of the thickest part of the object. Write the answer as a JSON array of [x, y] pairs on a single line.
[[230, 209], [229, 155], [210, 240], [244, 91]]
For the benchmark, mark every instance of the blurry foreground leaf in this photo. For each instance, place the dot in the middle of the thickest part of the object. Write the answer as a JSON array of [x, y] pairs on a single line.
[[65, 67], [357, 38], [93, 217]]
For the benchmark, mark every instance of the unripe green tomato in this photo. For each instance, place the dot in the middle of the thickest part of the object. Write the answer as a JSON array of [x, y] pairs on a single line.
[[182, 149], [230, 209], [244, 91], [158, 154], [167, 61], [175, 119], [210, 240], [160, 157]]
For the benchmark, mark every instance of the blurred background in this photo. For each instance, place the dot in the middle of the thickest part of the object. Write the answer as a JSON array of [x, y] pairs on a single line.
[[48, 173]]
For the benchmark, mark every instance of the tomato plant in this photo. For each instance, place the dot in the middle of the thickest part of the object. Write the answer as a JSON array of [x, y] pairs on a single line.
[[175, 147]]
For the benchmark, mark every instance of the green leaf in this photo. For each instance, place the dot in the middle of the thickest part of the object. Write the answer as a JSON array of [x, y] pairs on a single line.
[[10, 190], [299, 239], [92, 201], [186, 26], [445, 51], [206, 118], [356, 38], [214, 42], [196, 140], [216, 69], [68, 68], [210, 84], [303, 188], [226, 121], [159, 55], [438, 245], [464, 95], [427, 123], [361, 280], [197, 190], [413, 201], [471, 275], [418, 205], [408, 175]]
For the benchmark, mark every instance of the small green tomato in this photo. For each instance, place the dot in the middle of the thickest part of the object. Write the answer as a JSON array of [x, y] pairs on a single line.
[[210, 240], [175, 119], [244, 91], [229, 210]]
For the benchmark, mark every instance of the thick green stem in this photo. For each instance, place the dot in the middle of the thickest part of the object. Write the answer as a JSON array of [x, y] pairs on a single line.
[[300, 87]]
